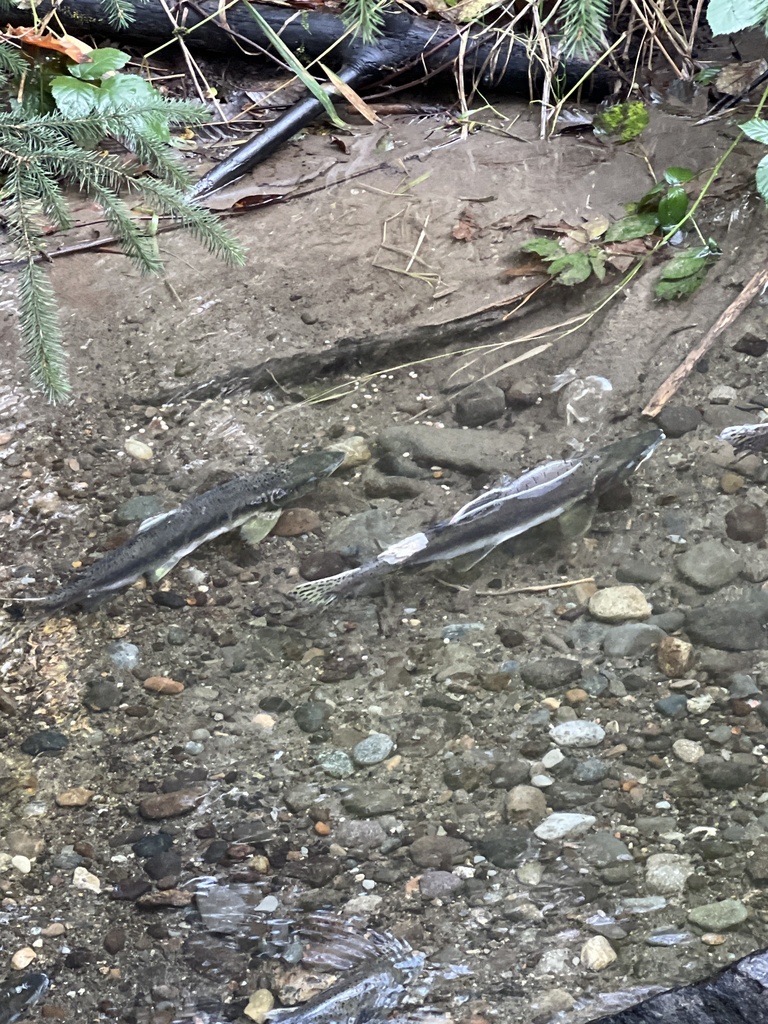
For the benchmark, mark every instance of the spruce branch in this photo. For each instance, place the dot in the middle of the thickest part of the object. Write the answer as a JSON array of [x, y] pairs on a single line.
[[583, 26], [364, 18]]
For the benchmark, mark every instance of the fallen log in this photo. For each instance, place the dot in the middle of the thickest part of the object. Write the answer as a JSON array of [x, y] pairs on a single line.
[[409, 49]]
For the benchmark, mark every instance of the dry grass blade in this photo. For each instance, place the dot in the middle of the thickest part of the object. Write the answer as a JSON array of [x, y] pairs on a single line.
[[537, 588]]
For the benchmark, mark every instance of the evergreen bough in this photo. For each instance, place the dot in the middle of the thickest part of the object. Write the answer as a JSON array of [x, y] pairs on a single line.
[[43, 154]]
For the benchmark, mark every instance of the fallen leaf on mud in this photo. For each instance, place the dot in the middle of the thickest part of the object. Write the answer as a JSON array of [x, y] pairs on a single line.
[[512, 221], [737, 78], [467, 227]]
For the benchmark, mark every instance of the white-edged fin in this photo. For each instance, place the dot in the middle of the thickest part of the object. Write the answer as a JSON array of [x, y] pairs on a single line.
[[746, 437], [532, 484], [401, 550], [146, 524]]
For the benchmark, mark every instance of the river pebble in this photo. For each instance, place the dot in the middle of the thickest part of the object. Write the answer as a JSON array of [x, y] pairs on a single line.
[[667, 873], [124, 655], [619, 604], [336, 763], [597, 953], [688, 751], [718, 773], [164, 685], [480, 404], [172, 805], [578, 733], [709, 565], [78, 796], [525, 804], [82, 878], [722, 916], [373, 749], [551, 673], [23, 958], [47, 741], [745, 523], [138, 449], [562, 825], [737, 626], [632, 640], [674, 656], [440, 884]]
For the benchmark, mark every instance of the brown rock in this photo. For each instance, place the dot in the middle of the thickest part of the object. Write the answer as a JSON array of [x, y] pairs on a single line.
[[114, 940], [295, 521], [79, 796], [746, 523], [163, 684], [168, 898], [675, 657], [171, 805], [731, 482]]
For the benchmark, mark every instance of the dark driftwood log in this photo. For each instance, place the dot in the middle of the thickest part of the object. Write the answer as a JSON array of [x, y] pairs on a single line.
[[409, 48]]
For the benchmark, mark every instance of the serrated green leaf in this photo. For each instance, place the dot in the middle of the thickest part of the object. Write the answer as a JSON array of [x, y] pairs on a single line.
[[122, 94], [100, 62], [673, 207], [761, 178], [682, 266], [678, 175], [728, 16], [637, 225], [547, 248], [756, 129], [570, 269], [73, 98]]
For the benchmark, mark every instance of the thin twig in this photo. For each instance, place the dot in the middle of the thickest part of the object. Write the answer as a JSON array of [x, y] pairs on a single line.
[[755, 286], [536, 589]]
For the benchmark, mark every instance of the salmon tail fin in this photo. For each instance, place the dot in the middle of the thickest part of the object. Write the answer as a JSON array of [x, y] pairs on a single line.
[[324, 591]]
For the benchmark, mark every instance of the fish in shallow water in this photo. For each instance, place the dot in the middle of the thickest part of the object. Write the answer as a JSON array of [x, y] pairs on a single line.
[[164, 540], [18, 995], [511, 508], [380, 972], [746, 438], [738, 995]]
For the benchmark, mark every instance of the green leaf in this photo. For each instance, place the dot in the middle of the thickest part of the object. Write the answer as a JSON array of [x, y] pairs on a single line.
[[597, 262], [100, 62], [637, 225], [122, 94], [623, 121], [678, 175], [572, 268], [728, 16], [681, 289], [673, 207], [73, 98], [684, 274], [650, 200], [547, 248], [683, 265], [756, 129], [761, 178]]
